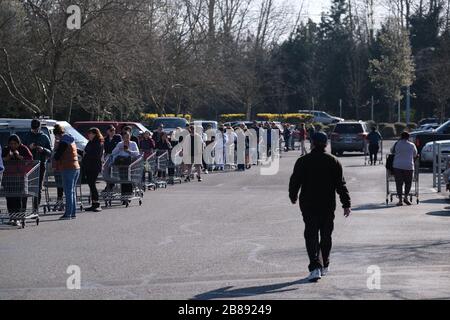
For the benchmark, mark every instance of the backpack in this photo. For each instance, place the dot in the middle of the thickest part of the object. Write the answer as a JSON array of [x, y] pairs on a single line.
[[390, 160]]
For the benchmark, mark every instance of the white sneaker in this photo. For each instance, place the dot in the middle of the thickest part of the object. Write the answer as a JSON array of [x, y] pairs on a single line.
[[315, 275], [325, 271]]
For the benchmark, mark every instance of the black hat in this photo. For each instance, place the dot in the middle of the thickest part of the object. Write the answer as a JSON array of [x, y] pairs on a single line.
[[320, 137], [35, 124]]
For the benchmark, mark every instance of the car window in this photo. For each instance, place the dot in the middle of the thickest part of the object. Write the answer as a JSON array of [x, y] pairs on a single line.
[[83, 128], [169, 123], [21, 133], [349, 128], [4, 135], [79, 139]]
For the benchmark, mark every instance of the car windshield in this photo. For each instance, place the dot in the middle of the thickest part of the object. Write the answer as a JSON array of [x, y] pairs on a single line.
[[141, 127], [349, 128], [75, 134], [443, 127], [169, 123]]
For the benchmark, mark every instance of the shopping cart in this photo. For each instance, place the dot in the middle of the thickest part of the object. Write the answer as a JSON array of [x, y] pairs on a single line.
[[125, 175], [391, 190], [175, 170], [53, 180], [150, 167], [380, 158], [20, 181], [162, 168]]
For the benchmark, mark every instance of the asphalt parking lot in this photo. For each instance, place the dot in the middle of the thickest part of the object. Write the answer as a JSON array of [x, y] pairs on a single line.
[[235, 235]]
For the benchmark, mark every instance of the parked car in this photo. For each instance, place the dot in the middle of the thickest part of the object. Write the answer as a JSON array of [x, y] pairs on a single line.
[[22, 126], [84, 126], [421, 138], [170, 123], [427, 121], [427, 127], [348, 136], [426, 156], [205, 124], [322, 117]]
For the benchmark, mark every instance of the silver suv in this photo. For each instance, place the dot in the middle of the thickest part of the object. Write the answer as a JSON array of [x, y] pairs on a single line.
[[348, 136]]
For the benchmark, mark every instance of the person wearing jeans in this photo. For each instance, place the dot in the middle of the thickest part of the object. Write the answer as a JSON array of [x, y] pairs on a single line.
[[405, 153], [66, 158]]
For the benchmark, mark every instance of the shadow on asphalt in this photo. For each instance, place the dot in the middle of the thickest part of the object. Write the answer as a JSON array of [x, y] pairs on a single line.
[[374, 206], [229, 292], [436, 201], [439, 213], [351, 155]]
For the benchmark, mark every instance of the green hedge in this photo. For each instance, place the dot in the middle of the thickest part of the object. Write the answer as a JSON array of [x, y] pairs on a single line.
[[388, 130]]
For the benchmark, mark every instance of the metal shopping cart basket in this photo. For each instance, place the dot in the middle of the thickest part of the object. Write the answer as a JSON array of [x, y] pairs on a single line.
[[20, 181], [53, 181], [162, 168], [127, 176], [380, 158], [150, 167], [391, 190], [175, 170]]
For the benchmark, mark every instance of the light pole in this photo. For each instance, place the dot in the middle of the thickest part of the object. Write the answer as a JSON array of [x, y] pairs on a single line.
[[408, 104], [340, 108], [371, 109]]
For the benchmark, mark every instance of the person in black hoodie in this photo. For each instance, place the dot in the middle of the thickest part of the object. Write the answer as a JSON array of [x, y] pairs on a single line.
[[40, 147], [319, 175], [91, 165]]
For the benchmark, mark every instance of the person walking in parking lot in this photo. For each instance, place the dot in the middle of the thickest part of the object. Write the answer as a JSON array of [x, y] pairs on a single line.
[[66, 157], [374, 138], [40, 147], [405, 153], [91, 165], [319, 175]]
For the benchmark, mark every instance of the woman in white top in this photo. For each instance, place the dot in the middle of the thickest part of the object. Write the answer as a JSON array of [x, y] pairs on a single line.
[[126, 148], [123, 154], [405, 156]]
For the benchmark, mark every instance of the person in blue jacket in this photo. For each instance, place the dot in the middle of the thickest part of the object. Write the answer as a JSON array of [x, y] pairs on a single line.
[[374, 138]]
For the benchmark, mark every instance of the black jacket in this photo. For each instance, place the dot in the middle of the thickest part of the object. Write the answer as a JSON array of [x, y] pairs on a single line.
[[39, 139], [110, 144], [92, 159], [319, 175]]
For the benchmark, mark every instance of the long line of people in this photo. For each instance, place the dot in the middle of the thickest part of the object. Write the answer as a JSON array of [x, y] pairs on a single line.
[[71, 166]]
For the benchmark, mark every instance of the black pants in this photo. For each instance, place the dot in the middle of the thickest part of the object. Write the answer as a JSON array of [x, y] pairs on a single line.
[[37, 201], [91, 180], [403, 177], [317, 223], [373, 152], [16, 204]]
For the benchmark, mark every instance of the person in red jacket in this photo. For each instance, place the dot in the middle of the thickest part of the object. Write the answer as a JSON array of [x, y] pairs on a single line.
[[14, 156]]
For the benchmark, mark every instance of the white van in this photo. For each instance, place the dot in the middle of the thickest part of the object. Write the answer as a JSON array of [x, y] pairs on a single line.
[[22, 126]]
